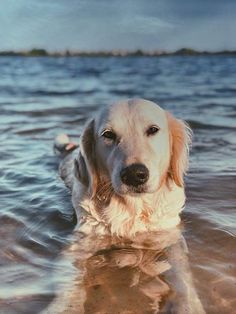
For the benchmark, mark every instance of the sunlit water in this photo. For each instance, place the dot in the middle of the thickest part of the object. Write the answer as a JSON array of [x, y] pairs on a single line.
[[41, 97]]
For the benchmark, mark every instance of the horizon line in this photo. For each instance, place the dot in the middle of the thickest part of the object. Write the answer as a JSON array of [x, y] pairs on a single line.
[[112, 52]]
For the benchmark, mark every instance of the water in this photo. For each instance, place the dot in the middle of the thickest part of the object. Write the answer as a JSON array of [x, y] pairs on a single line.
[[41, 97]]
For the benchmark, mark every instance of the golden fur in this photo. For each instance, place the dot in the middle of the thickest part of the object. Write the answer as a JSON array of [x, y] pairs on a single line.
[[103, 203], [139, 257]]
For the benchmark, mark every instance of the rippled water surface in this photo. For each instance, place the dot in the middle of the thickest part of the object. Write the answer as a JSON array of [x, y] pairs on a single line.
[[41, 97]]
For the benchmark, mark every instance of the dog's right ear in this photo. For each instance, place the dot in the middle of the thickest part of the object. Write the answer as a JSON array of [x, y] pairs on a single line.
[[85, 166]]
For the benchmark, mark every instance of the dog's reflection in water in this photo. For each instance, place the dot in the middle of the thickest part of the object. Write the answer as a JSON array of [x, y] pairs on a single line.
[[147, 275], [125, 280]]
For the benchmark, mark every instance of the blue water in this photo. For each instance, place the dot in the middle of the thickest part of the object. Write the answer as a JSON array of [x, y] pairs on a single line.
[[41, 97]]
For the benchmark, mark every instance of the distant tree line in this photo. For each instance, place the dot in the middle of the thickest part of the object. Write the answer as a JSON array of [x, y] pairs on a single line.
[[36, 52]]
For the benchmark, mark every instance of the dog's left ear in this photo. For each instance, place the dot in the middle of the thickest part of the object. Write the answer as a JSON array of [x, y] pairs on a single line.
[[180, 136], [85, 165]]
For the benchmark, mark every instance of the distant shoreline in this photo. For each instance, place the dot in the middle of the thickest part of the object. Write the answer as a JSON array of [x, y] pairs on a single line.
[[115, 53]]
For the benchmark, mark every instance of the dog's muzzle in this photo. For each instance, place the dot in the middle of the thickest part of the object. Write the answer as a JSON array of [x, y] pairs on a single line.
[[134, 175]]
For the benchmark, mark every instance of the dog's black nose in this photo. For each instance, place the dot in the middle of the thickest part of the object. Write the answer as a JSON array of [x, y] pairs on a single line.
[[135, 175]]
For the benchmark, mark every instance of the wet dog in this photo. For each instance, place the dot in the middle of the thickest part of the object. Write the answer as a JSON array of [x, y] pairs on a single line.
[[127, 184], [127, 175]]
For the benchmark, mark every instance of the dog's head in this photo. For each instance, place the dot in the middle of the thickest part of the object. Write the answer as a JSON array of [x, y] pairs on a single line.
[[133, 147]]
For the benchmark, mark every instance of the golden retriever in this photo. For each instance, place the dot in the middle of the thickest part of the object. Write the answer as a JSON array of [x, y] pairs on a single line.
[[128, 174], [127, 183]]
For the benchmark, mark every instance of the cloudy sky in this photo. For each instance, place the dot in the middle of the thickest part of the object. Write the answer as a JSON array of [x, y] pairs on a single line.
[[117, 24]]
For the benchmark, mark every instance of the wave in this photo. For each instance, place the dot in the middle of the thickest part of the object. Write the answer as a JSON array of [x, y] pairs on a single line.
[[32, 131], [213, 105], [226, 90], [200, 125], [42, 92], [62, 111], [122, 92], [74, 92]]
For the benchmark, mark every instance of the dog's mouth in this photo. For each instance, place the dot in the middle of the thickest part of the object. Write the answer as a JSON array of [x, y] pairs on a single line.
[[131, 190], [138, 189]]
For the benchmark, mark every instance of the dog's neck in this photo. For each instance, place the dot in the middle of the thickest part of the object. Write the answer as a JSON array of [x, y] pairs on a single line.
[[126, 215]]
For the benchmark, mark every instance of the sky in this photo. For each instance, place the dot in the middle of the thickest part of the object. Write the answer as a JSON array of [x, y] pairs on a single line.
[[58, 25]]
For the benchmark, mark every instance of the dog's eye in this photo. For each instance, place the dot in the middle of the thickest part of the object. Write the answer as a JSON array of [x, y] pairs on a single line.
[[109, 135], [152, 130]]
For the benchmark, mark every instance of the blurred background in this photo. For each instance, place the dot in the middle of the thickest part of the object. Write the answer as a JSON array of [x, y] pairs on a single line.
[[60, 62], [107, 25]]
